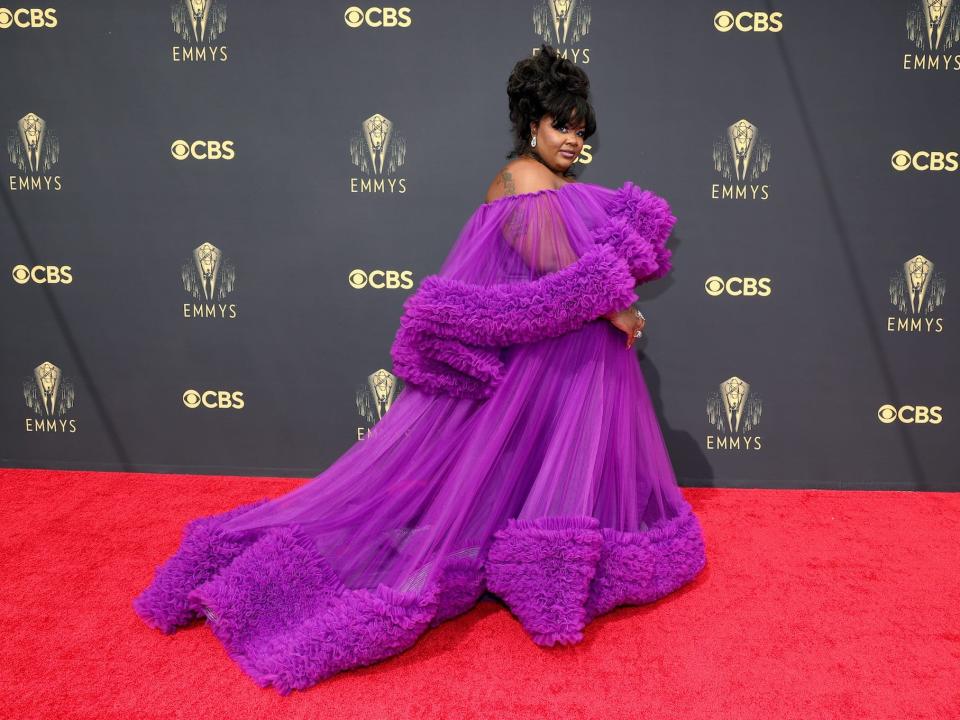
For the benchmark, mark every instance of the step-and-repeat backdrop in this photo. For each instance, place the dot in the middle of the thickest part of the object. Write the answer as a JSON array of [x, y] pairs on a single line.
[[212, 211]]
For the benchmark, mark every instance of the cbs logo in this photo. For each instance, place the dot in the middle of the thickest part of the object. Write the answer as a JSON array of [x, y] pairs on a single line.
[[214, 399], [203, 150], [28, 17], [379, 279], [43, 274], [910, 414], [377, 17], [746, 286], [924, 160], [725, 21]]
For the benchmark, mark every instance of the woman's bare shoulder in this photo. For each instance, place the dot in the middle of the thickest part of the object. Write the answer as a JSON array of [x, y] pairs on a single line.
[[521, 176]]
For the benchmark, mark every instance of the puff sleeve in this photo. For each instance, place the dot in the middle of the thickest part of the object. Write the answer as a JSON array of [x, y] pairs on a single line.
[[637, 227]]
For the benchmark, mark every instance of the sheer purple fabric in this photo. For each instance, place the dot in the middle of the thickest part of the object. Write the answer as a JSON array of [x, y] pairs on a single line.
[[523, 458]]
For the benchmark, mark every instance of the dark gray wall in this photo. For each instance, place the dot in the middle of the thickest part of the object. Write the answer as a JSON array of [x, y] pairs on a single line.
[[823, 85]]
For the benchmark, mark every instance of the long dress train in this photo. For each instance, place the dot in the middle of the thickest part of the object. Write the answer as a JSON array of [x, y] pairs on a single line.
[[522, 458]]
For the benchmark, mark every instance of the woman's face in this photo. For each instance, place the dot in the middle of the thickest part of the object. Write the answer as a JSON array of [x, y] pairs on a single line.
[[558, 148]]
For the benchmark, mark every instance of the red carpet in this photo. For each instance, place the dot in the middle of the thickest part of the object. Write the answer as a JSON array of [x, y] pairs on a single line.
[[814, 605]]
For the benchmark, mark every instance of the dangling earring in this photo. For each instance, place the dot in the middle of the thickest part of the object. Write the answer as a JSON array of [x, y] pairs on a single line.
[[533, 141]]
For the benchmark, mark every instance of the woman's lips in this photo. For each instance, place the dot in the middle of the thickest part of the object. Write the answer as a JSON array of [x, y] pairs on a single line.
[[568, 153]]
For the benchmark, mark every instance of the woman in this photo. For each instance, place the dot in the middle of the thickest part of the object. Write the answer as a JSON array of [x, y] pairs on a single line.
[[522, 458]]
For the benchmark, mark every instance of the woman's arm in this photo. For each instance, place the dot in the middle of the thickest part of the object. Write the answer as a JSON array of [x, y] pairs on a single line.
[[508, 313]]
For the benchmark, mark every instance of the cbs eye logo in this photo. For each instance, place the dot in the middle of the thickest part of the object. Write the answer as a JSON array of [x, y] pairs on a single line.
[[736, 286], [214, 399], [28, 18], [379, 279], [725, 21], [911, 414], [924, 160], [355, 17], [43, 274], [203, 150]]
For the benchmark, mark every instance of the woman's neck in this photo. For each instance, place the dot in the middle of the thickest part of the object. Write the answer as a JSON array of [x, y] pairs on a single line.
[[535, 156]]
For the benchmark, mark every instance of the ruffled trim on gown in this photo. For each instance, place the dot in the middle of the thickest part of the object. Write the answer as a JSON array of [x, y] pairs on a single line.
[[285, 618], [451, 332], [638, 225]]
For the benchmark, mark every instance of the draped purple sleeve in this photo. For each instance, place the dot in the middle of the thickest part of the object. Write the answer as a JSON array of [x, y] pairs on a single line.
[[451, 331], [525, 268]]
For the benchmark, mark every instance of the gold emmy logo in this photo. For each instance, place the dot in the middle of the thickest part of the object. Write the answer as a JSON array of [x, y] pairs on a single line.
[[934, 27], [209, 278], [560, 23], [916, 291], [50, 395], [734, 411], [34, 149], [379, 151], [375, 397], [199, 23], [741, 155]]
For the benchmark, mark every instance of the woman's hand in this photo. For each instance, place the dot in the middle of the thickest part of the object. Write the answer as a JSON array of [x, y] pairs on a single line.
[[627, 320]]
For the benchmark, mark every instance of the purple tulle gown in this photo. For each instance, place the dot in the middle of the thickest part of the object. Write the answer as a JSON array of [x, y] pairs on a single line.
[[523, 458]]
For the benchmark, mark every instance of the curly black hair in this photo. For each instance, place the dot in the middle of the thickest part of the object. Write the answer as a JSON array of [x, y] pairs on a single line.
[[547, 84]]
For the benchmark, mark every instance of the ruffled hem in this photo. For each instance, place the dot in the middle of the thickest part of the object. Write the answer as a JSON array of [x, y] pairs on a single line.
[[638, 225], [285, 618], [558, 573]]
